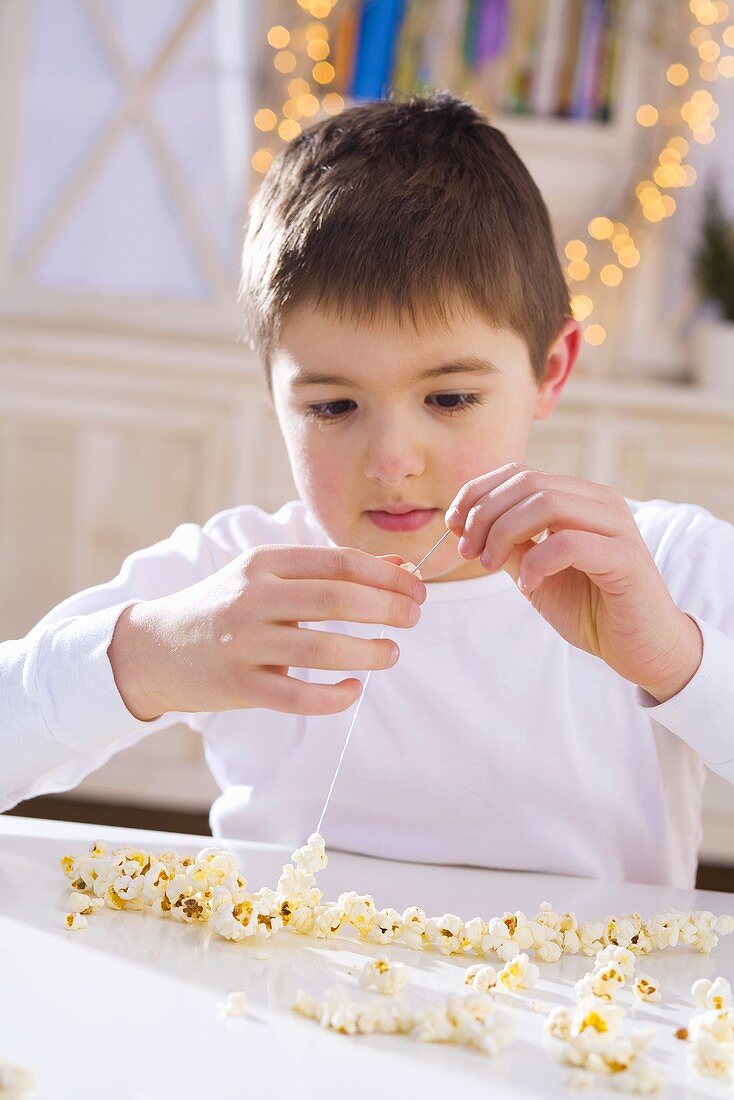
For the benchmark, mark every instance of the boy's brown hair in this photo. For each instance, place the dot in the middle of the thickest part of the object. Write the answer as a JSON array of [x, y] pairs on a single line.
[[414, 209]]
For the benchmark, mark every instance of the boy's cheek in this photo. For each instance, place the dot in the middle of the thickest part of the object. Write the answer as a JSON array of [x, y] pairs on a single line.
[[324, 485]]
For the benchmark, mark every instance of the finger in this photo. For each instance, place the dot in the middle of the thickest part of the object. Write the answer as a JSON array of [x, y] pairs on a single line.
[[344, 564], [546, 509], [605, 560], [293, 696], [342, 601], [301, 647], [473, 490], [515, 481]]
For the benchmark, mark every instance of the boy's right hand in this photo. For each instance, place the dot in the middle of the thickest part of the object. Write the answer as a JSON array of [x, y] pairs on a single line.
[[228, 641]]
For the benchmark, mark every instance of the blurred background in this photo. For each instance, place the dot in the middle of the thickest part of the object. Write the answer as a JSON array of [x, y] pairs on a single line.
[[132, 135]]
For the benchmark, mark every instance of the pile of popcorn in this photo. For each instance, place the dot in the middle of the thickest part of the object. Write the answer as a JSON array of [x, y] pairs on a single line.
[[591, 1038], [712, 1031]]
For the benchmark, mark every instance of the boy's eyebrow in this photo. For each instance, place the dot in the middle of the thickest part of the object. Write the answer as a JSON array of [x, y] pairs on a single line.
[[470, 364]]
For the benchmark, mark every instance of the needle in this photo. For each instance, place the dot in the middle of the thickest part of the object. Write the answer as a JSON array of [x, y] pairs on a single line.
[[426, 556]]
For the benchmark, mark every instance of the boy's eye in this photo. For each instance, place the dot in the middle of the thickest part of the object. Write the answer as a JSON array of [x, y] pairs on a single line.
[[330, 410], [453, 402]]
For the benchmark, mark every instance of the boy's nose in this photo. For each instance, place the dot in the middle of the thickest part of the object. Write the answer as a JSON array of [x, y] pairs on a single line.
[[391, 460]]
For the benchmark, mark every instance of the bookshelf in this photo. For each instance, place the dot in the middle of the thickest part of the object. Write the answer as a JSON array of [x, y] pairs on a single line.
[[420, 45]]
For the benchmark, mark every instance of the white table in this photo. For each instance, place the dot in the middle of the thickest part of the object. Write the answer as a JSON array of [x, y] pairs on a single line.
[[129, 1006]]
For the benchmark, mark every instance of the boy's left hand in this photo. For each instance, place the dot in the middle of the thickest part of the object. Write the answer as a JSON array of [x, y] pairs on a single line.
[[592, 578]]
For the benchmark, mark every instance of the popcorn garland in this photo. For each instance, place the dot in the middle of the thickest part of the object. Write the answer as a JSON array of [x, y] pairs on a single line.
[[349, 1017], [208, 889], [473, 1020]]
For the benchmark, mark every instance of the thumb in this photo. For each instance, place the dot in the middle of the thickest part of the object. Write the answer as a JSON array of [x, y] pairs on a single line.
[[394, 558]]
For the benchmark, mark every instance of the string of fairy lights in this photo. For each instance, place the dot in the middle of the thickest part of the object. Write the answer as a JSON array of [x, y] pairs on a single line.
[[306, 48]]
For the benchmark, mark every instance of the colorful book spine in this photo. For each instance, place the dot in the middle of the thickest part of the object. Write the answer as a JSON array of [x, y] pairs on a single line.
[[609, 62], [588, 61], [547, 57], [343, 50], [521, 50], [570, 55], [379, 27], [547, 72]]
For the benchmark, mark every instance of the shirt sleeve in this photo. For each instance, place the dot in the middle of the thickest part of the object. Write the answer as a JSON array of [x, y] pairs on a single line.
[[697, 562], [61, 715]]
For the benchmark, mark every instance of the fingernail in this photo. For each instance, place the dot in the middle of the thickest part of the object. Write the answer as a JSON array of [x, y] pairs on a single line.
[[422, 593], [415, 614], [486, 559], [523, 586], [452, 515], [394, 653], [463, 546]]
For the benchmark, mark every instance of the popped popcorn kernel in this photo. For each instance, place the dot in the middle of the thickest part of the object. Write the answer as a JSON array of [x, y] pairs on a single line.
[[710, 1058], [235, 1005], [642, 1078], [712, 995], [481, 978], [385, 977], [16, 1083], [557, 1024], [519, 973], [412, 569], [646, 988], [306, 1005], [472, 1020], [76, 922]]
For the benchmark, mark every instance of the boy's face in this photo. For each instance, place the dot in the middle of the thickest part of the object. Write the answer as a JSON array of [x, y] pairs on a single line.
[[384, 425]]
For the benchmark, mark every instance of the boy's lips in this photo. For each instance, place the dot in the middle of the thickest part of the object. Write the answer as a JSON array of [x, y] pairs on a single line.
[[400, 517]]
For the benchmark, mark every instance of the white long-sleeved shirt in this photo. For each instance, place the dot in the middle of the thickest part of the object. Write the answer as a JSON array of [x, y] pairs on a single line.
[[492, 742]]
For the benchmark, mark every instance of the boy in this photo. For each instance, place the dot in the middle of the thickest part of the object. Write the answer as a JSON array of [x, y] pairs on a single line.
[[554, 699]]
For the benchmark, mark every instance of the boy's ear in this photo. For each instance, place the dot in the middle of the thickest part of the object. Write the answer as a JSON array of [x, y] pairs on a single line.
[[559, 363]]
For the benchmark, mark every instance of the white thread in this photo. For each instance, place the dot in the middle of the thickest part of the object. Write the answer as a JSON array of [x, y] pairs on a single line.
[[413, 569], [349, 734]]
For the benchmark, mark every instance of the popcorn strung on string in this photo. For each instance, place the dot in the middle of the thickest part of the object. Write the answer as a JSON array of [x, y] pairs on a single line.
[[472, 1020], [208, 889], [350, 1017]]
